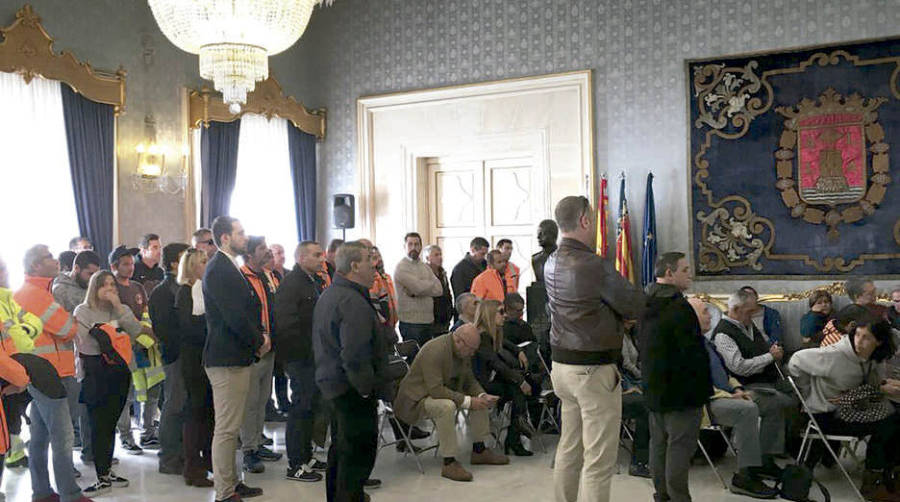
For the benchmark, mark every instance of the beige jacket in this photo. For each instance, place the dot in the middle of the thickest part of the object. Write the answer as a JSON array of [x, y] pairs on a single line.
[[417, 286]]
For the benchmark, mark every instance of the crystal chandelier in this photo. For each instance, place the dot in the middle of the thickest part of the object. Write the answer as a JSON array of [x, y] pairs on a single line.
[[234, 38]]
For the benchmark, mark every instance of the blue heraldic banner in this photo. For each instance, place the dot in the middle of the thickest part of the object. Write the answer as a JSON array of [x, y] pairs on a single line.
[[794, 162]]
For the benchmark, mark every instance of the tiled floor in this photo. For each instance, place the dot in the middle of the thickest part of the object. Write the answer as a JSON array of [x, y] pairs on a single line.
[[524, 480]]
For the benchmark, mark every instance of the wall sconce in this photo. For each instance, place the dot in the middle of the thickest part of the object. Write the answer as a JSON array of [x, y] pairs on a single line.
[[151, 173]]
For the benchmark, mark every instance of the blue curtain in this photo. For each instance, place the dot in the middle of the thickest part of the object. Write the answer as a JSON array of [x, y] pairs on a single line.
[[218, 159], [303, 171], [90, 134]]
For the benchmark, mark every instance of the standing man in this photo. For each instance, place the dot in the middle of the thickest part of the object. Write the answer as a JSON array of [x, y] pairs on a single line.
[[894, 311], [443, 305], [203, 240], [677, 383], [493, 283], [295, 302], [330, 253], [257, 257], [165, 326], [505, 246], [417, 287], [277, 266], [348, 349], [234, 342], [146, 269], [79, 244], [589, 303], [469, 267], [275, 272]]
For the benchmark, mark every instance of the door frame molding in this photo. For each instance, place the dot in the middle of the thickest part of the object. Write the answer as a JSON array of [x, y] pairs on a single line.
[[368, 106]]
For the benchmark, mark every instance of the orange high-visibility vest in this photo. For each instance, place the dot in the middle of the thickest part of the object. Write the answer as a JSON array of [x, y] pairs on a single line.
[[512, 275], [488, 286], [56, 342], [15, 374]]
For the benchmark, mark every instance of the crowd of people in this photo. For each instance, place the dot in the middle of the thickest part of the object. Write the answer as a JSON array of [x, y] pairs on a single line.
[[190, 341]]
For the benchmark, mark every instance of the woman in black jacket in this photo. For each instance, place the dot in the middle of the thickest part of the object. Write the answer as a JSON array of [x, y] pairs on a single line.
[[496, 368], [191, 314]]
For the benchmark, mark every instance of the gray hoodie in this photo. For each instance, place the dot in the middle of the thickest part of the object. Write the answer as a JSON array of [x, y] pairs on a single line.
[[827, 372], [67, 292]]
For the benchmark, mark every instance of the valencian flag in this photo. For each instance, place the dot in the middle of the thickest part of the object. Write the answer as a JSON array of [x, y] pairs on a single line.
[[624, 262], [648, 254], [602, 220]]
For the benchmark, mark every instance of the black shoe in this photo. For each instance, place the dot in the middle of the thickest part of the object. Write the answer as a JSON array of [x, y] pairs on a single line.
[[303, 474], [150, 443], [267, 441], [372, 483], [267, 455], [524, 427], [769, 470], [517, 449], [639, 470], [317, 465], [253, 464], [131, 448], [275, 416], [401, 447], [101, 487], [417, 433], [743, 484], [116, 481], [246, 492], [171, 467]]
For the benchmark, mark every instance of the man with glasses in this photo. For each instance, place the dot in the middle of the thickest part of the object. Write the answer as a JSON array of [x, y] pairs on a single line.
[[439, 383], [203, 240], [589, 303]]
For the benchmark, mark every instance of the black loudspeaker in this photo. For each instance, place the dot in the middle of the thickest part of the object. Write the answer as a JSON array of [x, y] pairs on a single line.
[[344, 210]]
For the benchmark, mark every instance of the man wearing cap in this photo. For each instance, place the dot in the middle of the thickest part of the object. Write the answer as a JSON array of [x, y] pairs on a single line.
[[165, 326]]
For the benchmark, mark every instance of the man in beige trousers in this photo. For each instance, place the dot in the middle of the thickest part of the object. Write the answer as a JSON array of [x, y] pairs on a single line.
[[589, 303]]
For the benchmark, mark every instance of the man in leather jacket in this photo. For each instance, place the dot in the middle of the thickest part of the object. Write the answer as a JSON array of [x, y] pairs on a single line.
[[589, 304]]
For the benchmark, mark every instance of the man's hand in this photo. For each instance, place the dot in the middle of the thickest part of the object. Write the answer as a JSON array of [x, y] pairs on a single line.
[[891, 387], [629, 323], [776, 351], [479, 403], [523, 359], [740, 394], [526, 388], [266, 346]]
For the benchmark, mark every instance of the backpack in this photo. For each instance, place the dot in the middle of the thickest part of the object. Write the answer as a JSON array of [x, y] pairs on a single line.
[[115, 345], [795, 483]]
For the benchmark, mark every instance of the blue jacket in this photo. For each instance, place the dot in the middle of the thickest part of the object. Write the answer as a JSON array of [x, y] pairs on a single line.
[[772, 325], [234, 333], [717, 367]]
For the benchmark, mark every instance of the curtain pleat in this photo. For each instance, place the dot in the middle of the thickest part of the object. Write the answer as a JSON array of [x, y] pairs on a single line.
[[218, 159], [303, 172]]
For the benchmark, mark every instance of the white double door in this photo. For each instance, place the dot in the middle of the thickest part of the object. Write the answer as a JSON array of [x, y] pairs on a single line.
[[492, 198]]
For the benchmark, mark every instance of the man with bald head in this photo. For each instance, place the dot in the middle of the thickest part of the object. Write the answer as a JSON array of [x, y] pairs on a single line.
[[439, 383]]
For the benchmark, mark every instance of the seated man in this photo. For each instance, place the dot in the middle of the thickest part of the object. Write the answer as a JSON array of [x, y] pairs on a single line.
[[633, 408], [466, 304], [441, 382], [766, 319], [751, 359], [732, 407]]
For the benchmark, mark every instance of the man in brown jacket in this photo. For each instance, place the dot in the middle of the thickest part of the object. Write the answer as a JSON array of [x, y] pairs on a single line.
[[441, 382]]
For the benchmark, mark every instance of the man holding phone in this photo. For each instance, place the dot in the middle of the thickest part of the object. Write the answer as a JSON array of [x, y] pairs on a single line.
[[441, 382]]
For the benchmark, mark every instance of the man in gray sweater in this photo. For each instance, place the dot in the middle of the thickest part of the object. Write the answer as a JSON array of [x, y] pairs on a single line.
[[417, 286]]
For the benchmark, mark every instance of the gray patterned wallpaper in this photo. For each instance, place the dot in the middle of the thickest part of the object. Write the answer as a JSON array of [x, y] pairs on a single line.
[[635, 47]]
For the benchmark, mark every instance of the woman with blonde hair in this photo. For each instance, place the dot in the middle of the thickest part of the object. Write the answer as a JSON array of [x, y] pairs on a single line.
[[104, 386], [191, 314], [496, 367]]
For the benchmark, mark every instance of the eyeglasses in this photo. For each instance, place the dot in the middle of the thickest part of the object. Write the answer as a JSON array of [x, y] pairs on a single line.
[[208, 242]]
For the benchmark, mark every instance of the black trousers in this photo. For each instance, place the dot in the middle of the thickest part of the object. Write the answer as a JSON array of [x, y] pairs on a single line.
[[633, 408], [305, 401], [354, 443], [509, 391], [14, 406], [104, 392], [881, 452], [281, 386]]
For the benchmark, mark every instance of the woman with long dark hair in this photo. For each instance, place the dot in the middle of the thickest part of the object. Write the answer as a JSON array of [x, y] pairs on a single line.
[[191, 313], [495, 366], [104, 385]]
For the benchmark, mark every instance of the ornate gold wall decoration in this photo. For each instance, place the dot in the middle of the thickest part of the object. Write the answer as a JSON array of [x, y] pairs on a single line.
[[266, 99], [27, 49], [826, 141]]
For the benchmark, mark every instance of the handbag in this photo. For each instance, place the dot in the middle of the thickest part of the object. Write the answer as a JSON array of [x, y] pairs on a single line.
[[864, 404], [795, 483]]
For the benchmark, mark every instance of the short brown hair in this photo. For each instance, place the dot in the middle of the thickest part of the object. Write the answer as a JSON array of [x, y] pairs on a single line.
[[667, 261], [569, 211], [819, 294]]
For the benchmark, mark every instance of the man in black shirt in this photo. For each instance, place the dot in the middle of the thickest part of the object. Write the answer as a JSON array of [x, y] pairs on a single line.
[[469, 267], [146, 268]]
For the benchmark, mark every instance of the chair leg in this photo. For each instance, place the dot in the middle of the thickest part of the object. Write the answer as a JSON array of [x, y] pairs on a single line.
[[711, 464], [409, 446], [802, 454], [837, 460], [728, 442]]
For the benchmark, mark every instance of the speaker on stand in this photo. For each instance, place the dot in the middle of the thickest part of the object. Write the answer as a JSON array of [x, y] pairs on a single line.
[[344, 212]]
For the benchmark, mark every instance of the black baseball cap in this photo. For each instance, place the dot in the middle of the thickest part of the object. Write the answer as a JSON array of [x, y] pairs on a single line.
[[120, 252]]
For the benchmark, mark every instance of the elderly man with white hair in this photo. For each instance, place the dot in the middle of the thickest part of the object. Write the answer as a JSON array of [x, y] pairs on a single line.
[[747, 354], [443, 305], [466, 304]]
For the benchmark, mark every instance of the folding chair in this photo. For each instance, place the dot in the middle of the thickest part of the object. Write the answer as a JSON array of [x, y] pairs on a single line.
[[814, 427], [849, 444], [548, 401], [406, 349], [721, 431]]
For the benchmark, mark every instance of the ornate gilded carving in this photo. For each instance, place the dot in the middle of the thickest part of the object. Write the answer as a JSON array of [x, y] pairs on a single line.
[[835, 289], [727, 95], [27, 49], [732, 235], [830, 136], [266, 99]]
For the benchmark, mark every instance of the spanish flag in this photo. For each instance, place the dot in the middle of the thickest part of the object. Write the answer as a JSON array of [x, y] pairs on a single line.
[[624, 262], [602, 220]]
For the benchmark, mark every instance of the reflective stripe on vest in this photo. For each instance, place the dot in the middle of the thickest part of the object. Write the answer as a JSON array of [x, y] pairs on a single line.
[[51, 309], [50, 348], [67, 326]]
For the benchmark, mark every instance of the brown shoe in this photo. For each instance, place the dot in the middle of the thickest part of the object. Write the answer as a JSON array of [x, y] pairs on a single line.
[[198, 482], [455, 471], [489, 457]]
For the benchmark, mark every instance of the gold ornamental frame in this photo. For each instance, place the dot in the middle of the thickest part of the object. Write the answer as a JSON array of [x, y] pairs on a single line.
[[27, 49], [835, 289], [267, 99]]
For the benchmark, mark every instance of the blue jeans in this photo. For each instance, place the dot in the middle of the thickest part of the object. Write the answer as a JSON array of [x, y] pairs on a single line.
[[421, 333], [78, 411], [51, 426]]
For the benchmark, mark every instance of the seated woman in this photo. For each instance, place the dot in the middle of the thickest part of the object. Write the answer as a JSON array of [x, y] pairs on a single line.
[[825, 374], [494, 368], [813, 322]]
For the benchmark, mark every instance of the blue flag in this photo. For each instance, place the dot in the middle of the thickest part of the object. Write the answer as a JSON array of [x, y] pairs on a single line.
[[648, 254]]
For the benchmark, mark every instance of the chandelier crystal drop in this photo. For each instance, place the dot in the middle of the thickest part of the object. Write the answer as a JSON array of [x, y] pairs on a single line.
[[234, 38]]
